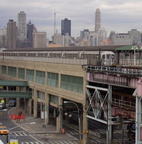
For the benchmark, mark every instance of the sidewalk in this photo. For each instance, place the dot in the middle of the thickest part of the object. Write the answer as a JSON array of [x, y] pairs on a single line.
[[38, 129]]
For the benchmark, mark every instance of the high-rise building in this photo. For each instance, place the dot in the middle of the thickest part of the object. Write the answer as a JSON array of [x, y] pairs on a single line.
[[97, 20], [84, 33], [30, 29], [22, 26], [66, 27], [3, 37], [11, 34], [39, 40]]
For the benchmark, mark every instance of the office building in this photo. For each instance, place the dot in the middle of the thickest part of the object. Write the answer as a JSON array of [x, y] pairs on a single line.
[[66, 27], [30, 29], [121, 38], [11, 34], [22, 26], [3, 37], [97, 20], [39, 40], [84, 33], [136, 36]]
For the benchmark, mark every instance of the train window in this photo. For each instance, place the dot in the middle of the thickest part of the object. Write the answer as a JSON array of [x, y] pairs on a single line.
[[108, 56], [103, 56]]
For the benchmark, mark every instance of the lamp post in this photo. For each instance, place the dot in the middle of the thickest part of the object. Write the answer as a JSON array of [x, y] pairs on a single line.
[[79, 120], [31, 123]]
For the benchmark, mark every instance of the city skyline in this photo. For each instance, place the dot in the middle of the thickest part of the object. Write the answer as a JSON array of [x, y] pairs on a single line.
[[119, 16]]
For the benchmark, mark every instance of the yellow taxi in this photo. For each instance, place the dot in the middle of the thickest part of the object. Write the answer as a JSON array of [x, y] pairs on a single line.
[[3, 130]]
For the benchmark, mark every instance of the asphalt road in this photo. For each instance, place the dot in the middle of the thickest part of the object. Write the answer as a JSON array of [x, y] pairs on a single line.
[[23, 136]]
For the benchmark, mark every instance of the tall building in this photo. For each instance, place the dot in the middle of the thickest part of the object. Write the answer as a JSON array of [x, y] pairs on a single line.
[[97, 20], [22, 26], [84, 34], [11, 34], [66, 27], [39, 40], [3, 37], [136, 36], [30, 29]]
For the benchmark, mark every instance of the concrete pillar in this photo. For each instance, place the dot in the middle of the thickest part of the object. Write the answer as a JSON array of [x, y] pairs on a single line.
[[25, 105], [59, 119], [46, 109], [18, 99], [85, 126], [25, 74], [16, 72], [35, 103], [30, 106]]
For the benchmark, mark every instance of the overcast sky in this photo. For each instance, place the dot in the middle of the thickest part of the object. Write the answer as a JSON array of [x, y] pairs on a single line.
[[116, 15]]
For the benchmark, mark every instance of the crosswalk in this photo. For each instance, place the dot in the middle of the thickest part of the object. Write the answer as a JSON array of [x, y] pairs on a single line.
[[24, 134], [52, 142]]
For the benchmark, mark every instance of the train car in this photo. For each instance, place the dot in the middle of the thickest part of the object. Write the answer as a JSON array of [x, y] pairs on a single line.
[[103, 58], [108, 58]]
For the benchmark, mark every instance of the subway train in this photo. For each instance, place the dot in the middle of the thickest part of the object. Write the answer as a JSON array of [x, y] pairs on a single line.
[[106, 58]]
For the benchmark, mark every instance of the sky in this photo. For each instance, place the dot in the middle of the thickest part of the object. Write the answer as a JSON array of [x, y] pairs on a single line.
[[116, 15]]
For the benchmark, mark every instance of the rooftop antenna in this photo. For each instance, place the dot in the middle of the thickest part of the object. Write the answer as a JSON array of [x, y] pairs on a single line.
[[54, 23]]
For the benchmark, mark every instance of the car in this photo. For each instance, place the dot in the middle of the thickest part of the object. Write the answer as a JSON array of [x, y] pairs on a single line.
[[12, 103], [4, 130]]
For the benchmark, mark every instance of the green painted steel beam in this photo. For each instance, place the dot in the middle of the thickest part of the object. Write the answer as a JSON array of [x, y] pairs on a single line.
[[5, 94], [14, 83]]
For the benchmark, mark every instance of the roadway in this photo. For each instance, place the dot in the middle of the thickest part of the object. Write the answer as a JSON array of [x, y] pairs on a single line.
[[23, 136]]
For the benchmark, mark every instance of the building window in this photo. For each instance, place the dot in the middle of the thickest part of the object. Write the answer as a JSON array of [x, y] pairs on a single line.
[[12, 71], [40, 77], [72, 83], [30, 75], [21, 73], [52, 79], [41, 95], [3, 70]]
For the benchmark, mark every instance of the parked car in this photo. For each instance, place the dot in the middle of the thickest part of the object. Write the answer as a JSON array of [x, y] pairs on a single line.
[[3, 130], [12, 103]]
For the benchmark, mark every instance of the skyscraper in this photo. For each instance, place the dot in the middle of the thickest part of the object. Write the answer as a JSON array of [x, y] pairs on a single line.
[[97, 20], [30, 29], [66, 27], [22, 29], [11, 34]]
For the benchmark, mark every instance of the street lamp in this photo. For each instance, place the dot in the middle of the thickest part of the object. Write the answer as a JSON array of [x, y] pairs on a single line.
[[79, 120], [31, 123]]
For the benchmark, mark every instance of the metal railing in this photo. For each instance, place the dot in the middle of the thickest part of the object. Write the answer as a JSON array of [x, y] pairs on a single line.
[[117, 70]]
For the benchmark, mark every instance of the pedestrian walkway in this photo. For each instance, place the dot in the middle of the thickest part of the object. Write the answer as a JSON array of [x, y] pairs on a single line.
[[36, 128]]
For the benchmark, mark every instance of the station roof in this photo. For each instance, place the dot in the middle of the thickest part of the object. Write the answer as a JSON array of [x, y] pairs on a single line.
[[128, 48], [75, 48]]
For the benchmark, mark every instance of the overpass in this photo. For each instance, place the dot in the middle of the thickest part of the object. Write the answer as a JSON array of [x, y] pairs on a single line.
[[15, 89]]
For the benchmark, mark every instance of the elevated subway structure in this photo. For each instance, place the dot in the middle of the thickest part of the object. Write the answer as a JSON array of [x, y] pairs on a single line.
[[101, 92]]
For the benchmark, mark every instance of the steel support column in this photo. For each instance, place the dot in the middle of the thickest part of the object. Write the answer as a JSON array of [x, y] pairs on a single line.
[[138, 119], [109, 134]]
